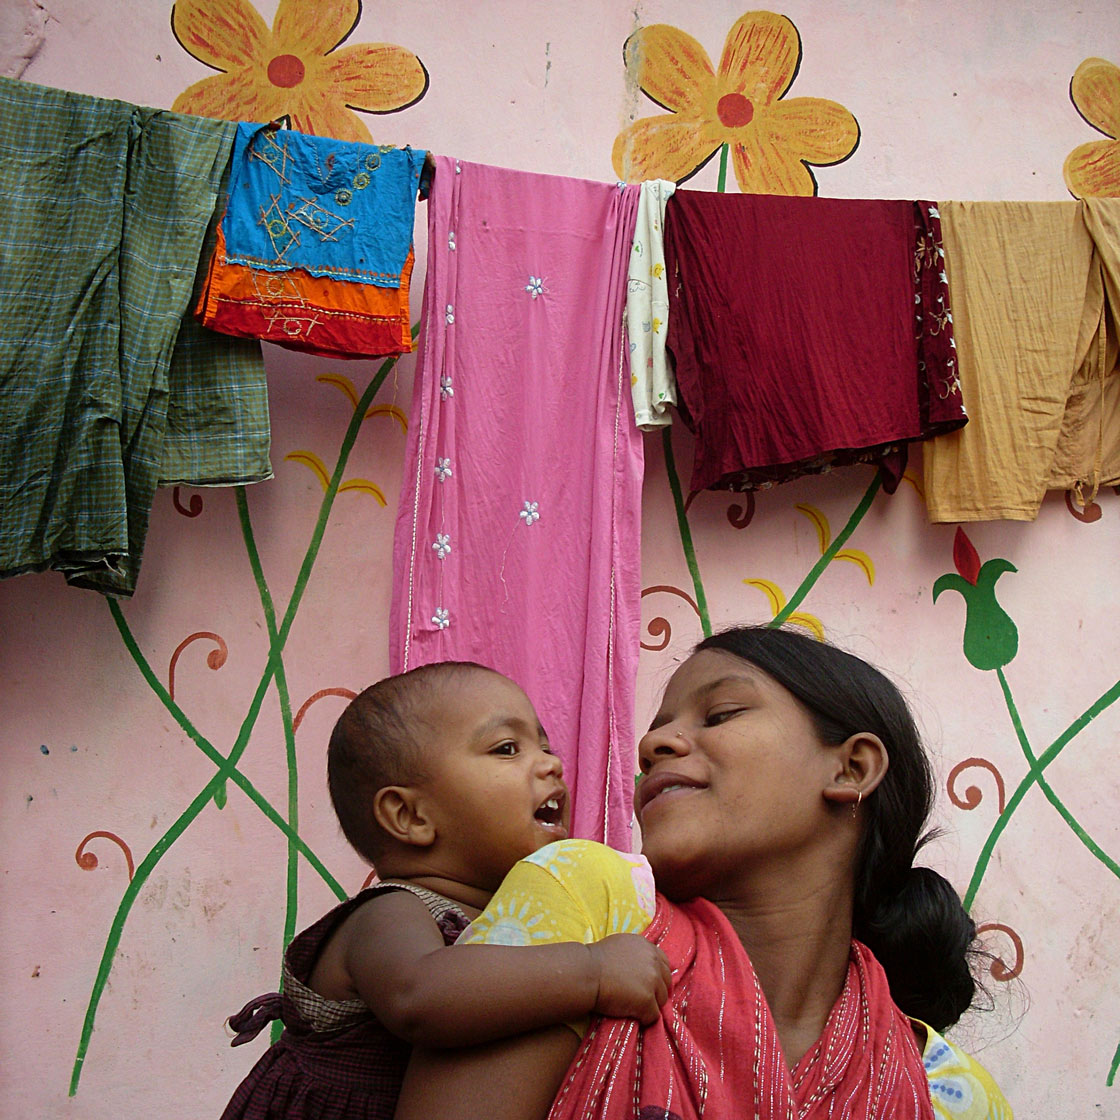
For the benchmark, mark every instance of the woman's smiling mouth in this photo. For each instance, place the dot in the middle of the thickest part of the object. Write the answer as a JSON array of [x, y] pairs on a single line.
[[658, 785]]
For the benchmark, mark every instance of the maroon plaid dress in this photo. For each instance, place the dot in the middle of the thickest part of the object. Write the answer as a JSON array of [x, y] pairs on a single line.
[[334, 1061]]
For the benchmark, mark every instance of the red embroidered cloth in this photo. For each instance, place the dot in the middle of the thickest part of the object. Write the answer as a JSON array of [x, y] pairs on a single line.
[[715, 1053], [807, 333]]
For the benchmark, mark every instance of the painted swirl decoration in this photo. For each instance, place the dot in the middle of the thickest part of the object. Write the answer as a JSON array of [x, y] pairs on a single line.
[[87, 861], [215, 659], [659, 627], [972, 795]]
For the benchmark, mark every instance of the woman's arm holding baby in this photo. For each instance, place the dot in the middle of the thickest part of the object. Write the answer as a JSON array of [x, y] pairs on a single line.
[[514, 1079], [433, 995]]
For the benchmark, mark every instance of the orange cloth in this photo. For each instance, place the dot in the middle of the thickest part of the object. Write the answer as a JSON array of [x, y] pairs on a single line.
[[315, 314], [1035, 292]]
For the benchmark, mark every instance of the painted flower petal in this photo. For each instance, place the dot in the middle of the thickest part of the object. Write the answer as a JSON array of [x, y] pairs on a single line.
[[670, 66], [1093, 170], [965, 557], [376, 77], [1095, 91], [665, 147], [765, 167], [223, 35], [238, 96], [326, 116], [760, 57], [313, 27], [810, 622], [812, 128]]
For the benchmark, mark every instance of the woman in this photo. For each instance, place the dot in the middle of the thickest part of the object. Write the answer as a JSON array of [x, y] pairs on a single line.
[[782, 800]]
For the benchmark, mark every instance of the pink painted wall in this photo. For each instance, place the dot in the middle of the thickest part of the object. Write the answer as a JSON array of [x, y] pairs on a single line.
[[954, 100]]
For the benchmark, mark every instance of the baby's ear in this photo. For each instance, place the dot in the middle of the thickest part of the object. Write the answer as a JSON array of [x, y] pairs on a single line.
[[399, 812]]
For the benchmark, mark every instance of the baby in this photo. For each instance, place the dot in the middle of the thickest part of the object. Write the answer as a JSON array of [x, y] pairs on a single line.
[[443, 778]]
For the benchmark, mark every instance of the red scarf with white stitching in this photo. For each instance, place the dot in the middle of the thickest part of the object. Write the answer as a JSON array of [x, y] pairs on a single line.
[[714, 1053]]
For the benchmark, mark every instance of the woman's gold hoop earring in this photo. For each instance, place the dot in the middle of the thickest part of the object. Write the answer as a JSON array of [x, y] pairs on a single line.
[[856, 803]]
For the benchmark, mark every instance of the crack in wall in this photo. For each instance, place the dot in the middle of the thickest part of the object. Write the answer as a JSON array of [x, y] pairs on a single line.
[[22, 35]]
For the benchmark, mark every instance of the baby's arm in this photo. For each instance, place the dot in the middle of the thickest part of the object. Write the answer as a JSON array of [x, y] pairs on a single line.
[[565, 888], [432, 995]]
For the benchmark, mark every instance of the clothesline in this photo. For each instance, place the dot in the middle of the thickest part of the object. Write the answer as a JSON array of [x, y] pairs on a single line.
[[793, 335], [786, 368]]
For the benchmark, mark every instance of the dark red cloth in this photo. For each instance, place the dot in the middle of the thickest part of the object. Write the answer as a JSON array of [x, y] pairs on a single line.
[[807, 333], [353, 1073], [714, 1053]]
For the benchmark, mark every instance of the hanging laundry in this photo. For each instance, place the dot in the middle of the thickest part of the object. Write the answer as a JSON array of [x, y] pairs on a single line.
[[104, 209], [218, 431], [315, 249], [807, 333], [1036, 297], [652, 382], [517, 540]]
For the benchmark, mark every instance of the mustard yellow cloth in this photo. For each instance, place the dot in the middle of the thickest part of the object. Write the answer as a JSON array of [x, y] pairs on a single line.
[[1035, 292]]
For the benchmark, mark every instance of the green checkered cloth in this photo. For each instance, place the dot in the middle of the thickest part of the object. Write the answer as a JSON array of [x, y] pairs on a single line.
[[103, 211], [217, 415]]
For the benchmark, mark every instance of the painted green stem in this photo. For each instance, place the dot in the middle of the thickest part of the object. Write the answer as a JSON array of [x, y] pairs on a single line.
[[1065, 814], [292, 869], [213, 753], [1036, 770], [347, 446], [829, 553], [722, 183], [675, 482], [686, 532], [1046, 788], [227, 766]]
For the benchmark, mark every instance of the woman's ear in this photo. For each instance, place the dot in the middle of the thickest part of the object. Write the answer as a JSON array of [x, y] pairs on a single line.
[[860, 764], [399, 811]]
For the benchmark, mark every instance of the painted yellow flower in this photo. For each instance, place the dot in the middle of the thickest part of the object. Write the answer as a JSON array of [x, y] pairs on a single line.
[[772, 141], [297, 68], [1092, 170]]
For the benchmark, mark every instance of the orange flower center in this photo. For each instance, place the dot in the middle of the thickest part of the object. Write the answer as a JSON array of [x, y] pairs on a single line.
[[285, 70], [733, 110]]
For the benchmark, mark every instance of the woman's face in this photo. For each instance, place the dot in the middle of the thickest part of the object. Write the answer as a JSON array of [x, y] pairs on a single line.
[[732, 779]]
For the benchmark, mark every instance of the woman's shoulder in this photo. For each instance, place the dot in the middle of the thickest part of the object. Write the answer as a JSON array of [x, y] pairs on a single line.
[[960, 1087]]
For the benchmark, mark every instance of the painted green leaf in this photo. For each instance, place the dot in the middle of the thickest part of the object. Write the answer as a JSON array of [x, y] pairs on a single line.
[[991, 638]]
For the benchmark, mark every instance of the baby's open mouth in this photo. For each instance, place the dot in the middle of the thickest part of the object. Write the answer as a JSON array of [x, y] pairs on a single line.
[[551, 812]]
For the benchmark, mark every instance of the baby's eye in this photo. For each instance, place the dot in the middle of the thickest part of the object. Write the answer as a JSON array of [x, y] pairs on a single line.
[[507, 749]]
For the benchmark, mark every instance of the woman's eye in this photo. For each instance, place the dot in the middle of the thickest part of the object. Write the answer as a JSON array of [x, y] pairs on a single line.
[[713, 718]]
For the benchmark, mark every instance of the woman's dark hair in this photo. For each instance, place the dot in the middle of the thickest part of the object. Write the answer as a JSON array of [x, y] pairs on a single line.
[[910, 917]]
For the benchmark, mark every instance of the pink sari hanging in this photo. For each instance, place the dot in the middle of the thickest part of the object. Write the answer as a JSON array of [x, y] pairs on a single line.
[[517, 537]]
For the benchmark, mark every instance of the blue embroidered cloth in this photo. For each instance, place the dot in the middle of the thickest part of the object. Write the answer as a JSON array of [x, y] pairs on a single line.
[[331, 207]]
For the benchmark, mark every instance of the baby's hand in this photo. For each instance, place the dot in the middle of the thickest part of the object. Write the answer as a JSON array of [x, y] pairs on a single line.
[[634, 977]]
